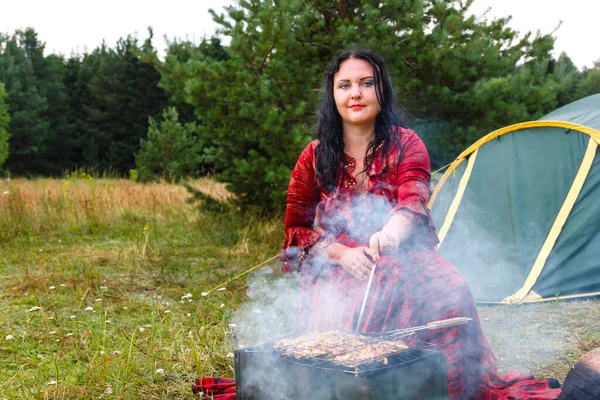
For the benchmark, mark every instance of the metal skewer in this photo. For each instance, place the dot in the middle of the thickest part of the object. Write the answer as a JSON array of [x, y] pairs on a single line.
[[443, 323], [365, 297]]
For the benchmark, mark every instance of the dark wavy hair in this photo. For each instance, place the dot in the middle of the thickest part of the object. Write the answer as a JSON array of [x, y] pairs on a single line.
[[330, 150]]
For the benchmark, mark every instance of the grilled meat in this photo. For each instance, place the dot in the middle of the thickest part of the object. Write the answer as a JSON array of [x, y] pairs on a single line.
[[369, 352], [341, 347]]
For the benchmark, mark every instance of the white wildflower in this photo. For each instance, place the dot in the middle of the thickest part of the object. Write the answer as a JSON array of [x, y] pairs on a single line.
[[182, 302], [124, 308], [51, 383], [189, 300], [187, 296], [141, 329], [229, 355], [148, 326], [204, 293], [6, 192], [52, 332], [232, 325], [69, 334], [102, 352], [9, 337], [40, 356], [167, 311], [108, 391], [108, 321], [89, 309], [160, 371], [222, 305], [34, 308], [57, 340], [52, 287], [188, 315], [51, 317], [73, 316], [97, 300], [116, 352], [62, 285], [221, 289]]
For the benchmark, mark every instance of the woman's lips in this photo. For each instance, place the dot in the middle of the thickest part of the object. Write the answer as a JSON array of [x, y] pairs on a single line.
[[357, 106]]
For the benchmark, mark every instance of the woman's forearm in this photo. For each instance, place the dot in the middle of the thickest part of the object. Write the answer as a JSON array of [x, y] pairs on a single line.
[[399, 226]]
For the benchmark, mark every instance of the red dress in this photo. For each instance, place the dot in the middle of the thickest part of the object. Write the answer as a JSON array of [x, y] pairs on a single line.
[[411, 287]]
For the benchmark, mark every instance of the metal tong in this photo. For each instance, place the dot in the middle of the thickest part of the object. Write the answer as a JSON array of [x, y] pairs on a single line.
[[365, 297], [442, 323]]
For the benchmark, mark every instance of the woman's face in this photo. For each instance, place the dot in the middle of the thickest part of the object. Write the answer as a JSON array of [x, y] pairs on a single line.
[[354, 93]]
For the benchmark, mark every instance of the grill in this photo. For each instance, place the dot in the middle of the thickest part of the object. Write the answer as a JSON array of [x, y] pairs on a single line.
[[275, 372], [265, 373]]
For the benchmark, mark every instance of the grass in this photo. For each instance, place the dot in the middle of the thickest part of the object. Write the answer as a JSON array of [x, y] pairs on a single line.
[[94, 283], [101, 287], [545, 338]]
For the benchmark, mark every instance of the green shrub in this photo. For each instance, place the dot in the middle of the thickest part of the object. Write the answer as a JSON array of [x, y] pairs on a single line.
[[171, 150]]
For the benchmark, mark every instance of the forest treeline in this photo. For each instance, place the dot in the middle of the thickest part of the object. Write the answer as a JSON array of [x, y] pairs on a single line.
[[245, 110]]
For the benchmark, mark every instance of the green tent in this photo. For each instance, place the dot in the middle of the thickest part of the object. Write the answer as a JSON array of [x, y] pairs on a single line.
[[518, 212]]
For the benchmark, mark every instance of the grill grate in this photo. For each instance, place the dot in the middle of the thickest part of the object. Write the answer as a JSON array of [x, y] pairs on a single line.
[[393, 359], [264, 373]]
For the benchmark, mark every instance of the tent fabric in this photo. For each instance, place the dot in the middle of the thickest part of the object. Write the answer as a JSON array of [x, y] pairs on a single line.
[[531, 199]]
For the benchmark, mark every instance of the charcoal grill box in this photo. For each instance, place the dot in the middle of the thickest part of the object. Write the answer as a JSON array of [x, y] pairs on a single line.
[[261, 373]]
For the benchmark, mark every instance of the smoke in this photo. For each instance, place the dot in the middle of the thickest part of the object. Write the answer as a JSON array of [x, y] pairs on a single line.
[[271, 310], [494, 251], [271, 313], [276, 302]]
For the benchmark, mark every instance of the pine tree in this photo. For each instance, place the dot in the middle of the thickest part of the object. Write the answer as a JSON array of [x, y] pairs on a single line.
[[177, 69], [590, 82], [257, 106], [170, 151], [4, 122], [118, 92], [72, 145], [27, 108]]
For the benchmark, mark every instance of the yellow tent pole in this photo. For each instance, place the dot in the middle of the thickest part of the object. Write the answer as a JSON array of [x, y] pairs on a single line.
[[462, 186], [542, 300], [559, 222], [508, 129]]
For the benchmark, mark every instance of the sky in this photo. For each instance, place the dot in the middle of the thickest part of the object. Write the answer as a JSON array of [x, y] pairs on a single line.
[[75, 25]]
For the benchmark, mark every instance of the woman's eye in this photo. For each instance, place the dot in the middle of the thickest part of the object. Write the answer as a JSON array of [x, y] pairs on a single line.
[[368, 83], [344, 86]]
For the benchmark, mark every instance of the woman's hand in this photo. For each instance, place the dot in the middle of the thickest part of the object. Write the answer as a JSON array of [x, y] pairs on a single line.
[[354, 260], [381, 242]]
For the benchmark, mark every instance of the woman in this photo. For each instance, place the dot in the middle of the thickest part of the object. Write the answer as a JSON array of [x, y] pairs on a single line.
[[366, 181]]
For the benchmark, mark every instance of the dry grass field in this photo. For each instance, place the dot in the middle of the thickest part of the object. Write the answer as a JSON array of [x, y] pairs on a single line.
[[101, 284]]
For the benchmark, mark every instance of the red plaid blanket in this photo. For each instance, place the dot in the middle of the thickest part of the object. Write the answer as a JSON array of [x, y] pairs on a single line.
[[215, 387], [221, 388]]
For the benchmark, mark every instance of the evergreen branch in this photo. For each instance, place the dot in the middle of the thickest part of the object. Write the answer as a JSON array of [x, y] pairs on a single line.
[[260, 69]]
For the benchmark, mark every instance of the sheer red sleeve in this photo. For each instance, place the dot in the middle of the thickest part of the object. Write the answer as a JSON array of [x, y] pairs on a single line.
[[414, 180], [301, 205]]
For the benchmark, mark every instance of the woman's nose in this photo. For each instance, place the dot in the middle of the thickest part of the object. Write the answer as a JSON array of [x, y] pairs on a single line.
[[356, 93]]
